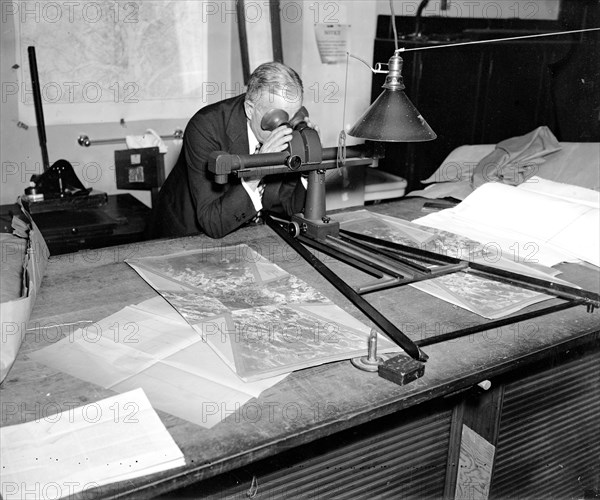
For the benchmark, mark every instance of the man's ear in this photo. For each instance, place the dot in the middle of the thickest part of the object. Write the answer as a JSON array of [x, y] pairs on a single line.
[[248, 108]]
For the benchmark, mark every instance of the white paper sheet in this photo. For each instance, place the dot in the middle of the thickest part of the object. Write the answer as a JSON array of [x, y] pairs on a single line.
[[15, 313], [85, 447], [537, 222], [487, 298], [151, 346], [259, 319]]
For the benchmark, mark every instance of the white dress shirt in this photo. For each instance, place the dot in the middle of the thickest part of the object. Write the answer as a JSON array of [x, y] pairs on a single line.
[[254, 187]]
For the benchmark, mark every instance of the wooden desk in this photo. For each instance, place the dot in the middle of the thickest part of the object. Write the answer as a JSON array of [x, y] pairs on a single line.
[[405, 438]]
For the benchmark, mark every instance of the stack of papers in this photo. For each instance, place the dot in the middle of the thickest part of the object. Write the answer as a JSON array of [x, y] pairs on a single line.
[[115, 439], [151, 346], [259, 319], [539, 221], [231, 325], [487, 298]]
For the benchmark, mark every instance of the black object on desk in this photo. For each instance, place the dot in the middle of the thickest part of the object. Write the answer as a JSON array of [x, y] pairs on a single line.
[[93, 199], [121, 219], [81, 224], [401, 369]]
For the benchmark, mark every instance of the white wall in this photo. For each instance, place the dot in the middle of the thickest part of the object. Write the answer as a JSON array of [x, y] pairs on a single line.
[[20, 154], [324, 84], [492, 9]]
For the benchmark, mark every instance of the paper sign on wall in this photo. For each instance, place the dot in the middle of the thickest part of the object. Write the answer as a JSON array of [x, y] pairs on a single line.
[[332, 41]]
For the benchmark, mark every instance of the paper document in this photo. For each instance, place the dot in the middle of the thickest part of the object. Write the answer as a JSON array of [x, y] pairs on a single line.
[[539, 221], [15, 313], [488, 298], [86, 447], [151, 346], [259, 319]]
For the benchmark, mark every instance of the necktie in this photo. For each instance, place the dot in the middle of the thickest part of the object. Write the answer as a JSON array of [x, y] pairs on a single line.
[[260, 187]]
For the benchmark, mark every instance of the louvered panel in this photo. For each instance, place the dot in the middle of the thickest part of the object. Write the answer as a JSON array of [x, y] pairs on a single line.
[[514, 450], [544, 399], [392, 459], [332, 470], [363, 485], [544, 461], [540, 401], [405, 461], [530, 384], [549, 432], [579, 403], [582, 406]]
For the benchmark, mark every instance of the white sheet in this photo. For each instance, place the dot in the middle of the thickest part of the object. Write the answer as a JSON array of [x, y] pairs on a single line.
[[539, 221]]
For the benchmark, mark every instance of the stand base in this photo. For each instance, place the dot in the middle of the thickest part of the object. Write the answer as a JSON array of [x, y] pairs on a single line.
[[365, 364], [401, 369], [314, 229]]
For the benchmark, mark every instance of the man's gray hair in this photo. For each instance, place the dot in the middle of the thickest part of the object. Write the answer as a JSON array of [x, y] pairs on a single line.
[[275, 78]]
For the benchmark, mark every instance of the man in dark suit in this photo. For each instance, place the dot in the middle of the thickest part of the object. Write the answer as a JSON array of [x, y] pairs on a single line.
[[191, 202]]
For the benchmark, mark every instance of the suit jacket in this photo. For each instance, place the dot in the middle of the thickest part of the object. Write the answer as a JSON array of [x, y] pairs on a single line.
[[190, 202]]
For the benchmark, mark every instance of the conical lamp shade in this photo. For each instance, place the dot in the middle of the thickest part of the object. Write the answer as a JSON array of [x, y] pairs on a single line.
[[392, 118]]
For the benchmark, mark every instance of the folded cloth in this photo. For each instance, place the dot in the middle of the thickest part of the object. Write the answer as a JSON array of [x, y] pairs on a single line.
[[514, 160], [149, 140]]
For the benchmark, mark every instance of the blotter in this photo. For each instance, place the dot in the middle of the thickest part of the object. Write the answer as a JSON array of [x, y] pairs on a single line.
[[84, 448]]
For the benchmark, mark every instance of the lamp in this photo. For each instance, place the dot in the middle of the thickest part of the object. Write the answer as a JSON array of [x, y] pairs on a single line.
[[392, 117]]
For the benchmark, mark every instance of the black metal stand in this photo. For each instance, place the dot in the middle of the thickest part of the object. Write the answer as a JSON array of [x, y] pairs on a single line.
[[392, 264], [374, 315], [396, 265]]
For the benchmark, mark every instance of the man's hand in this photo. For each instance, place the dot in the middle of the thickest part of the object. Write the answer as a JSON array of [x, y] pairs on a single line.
[[278, 140]]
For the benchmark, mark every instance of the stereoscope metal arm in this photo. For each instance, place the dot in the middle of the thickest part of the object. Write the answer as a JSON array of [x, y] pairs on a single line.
[[391, 264]]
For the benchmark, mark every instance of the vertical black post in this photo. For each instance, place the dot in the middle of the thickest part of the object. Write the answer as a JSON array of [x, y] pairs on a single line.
[[241, 18], [314, 207], [37, 103], [276, 30]]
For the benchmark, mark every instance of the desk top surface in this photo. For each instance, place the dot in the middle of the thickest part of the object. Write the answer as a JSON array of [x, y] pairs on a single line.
[[93, 284]]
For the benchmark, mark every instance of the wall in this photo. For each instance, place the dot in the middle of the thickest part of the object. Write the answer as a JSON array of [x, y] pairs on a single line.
[[20, 152], [324, 97], [495, 9], [324, 83], [333, 103]]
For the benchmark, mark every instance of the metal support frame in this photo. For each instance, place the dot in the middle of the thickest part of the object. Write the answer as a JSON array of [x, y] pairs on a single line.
[[396, 265], [391, 263]]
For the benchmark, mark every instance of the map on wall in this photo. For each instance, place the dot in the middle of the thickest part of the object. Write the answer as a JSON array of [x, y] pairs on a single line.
[[108, 60]]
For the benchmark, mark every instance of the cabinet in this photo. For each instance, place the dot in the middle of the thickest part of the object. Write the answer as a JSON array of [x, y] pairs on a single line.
[[485, 93], [122, 219], [540, 418]]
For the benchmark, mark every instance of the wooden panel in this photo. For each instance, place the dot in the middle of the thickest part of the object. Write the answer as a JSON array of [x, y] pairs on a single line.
[[475, 466], [549, 432]]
